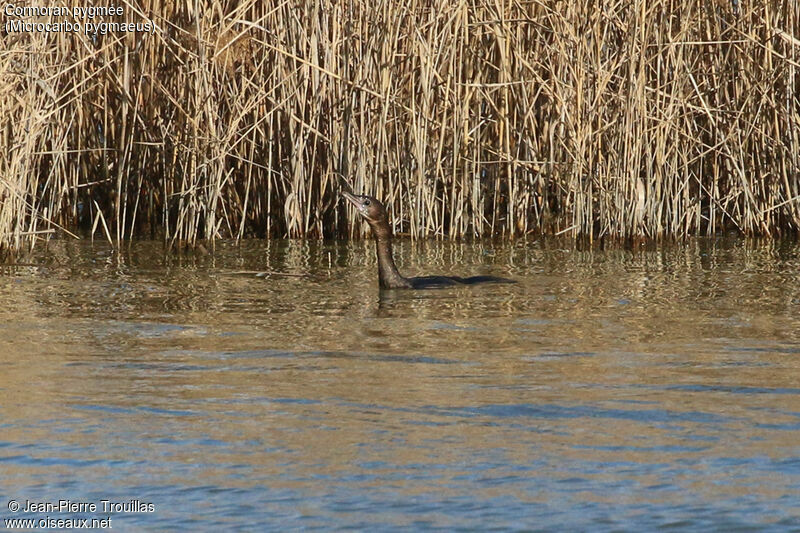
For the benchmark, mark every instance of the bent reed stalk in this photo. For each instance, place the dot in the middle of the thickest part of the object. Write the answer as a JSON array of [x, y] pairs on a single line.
[[653, 119]]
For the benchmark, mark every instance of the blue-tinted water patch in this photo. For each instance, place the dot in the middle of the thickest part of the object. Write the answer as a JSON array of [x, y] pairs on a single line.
[[299, 401], [49, 461], [450, 327], [546, 355], [644, 449], [550, 411], [764, 349], [385, 357], [793, 426], [112, 409], [534, 321]]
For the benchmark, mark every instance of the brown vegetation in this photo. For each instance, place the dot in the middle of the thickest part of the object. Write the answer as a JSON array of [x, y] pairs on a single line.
[[592, 119]]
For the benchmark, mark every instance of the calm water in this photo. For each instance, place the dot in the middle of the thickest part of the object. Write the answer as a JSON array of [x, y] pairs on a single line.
[[607, 390]]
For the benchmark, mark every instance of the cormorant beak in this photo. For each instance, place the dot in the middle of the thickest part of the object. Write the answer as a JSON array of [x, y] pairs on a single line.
[[352, 198], [358, 203]]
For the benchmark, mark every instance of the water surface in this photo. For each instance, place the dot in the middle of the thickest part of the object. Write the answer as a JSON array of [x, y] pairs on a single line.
[[622, 390]]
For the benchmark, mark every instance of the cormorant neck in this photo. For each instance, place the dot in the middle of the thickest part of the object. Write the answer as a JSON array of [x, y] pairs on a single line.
[[389, 276]]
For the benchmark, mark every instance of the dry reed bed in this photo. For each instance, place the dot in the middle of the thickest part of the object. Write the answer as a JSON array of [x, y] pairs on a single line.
[[593, 119]]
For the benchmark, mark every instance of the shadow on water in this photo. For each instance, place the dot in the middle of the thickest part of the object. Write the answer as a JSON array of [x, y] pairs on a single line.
[[605, 390]]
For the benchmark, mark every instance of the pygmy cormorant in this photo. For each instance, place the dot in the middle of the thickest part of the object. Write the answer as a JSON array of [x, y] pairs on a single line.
[[375, 214]]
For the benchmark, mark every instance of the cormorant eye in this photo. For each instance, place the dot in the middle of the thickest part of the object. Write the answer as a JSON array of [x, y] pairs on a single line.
[[366, 202]]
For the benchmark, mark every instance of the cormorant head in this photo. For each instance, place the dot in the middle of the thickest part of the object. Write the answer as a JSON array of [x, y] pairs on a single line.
[[368, 207]]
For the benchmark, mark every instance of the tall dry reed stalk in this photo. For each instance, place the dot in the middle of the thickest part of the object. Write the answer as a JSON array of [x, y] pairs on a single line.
[[480, 117]]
